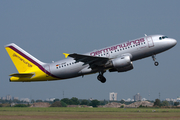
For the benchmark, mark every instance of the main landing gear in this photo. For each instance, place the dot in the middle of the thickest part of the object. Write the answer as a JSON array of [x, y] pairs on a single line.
[[101, 78], [154, 59]]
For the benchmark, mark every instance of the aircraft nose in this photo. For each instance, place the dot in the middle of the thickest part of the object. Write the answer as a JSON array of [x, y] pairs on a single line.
[[173, 42]]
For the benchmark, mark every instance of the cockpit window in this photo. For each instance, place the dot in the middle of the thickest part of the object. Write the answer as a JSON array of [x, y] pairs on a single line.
[[163, 37]]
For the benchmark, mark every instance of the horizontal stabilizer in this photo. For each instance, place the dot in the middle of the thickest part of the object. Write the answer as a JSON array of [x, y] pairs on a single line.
[[22, 75]]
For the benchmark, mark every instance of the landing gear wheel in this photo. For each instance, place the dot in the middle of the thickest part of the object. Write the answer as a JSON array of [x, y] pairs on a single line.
[[156, 63], [154, 59], [101, 78]]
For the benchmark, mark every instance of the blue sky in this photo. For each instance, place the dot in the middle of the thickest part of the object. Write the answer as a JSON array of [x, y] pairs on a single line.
[[46, 29]]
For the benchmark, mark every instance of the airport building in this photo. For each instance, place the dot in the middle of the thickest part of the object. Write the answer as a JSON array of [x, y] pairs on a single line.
[[8, 97], [178, 99], [113, 96], [137, 97]]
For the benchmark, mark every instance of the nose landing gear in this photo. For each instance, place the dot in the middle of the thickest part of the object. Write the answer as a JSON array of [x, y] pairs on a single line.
[[154, 59], [101, 78], [156, 63]]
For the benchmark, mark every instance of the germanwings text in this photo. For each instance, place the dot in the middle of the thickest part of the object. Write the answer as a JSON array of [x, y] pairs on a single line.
[[129, 43]]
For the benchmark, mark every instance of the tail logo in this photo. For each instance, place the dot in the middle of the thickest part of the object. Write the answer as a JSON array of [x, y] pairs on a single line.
[[29, 65]]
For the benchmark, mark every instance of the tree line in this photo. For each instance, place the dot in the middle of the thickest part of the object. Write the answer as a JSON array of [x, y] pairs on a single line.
[[165, 103], [56, 103], [75, 101]]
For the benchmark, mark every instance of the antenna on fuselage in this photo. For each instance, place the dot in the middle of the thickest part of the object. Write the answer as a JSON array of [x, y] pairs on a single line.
[[145, 35]]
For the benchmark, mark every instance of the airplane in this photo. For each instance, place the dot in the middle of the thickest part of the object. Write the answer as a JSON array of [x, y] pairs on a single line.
[[116, 58]]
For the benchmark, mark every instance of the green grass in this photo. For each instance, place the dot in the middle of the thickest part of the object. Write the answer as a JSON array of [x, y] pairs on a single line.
[[66, 109], [15, 113]]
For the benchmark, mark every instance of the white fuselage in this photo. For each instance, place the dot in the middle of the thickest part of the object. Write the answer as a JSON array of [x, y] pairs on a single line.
[[136, 49]]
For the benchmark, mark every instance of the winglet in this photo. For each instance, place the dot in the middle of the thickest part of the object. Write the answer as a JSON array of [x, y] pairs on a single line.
[[66, 55]]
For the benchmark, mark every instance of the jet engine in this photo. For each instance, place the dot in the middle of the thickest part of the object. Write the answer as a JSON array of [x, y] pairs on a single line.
[[121, 64]]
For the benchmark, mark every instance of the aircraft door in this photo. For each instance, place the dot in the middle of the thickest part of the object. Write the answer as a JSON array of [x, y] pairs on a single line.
[[150, 41], [47, 70]]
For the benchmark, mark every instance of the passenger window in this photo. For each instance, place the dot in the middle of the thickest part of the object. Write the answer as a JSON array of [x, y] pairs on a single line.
[[160, 38]]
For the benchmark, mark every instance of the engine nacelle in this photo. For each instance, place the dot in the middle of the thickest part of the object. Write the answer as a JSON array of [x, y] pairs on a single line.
[[122, 64]]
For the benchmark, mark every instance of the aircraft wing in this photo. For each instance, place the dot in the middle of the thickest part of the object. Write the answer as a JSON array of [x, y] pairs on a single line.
[[93, 61]]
